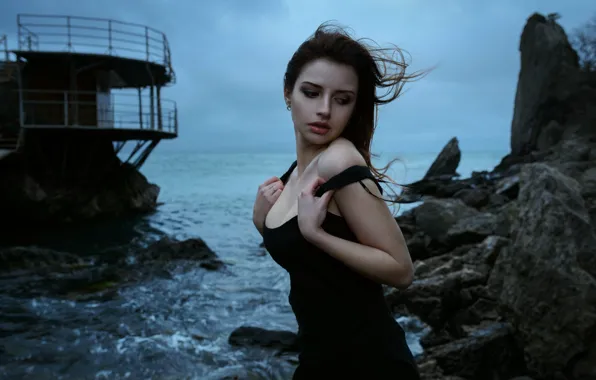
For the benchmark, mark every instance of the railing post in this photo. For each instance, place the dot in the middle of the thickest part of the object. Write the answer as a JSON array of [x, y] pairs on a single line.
[[176, 120], [110, 36], [147, 43], [140, 108], [69, 38], [19, 32], [66, 108], [152, 105], [159, 122], [3, 40]]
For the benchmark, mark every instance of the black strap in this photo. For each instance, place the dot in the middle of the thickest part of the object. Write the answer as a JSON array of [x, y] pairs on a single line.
[[350, 175], [284, 178]]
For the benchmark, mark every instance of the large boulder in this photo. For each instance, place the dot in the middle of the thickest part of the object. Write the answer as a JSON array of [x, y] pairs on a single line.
[[549, 66], [435, 217], [545, 282]]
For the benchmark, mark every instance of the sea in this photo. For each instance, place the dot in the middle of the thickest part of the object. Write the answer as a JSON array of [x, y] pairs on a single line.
[[174, 325]]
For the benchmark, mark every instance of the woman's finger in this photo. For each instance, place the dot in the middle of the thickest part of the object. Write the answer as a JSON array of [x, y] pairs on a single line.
[[315, 184], [327, 197], [270, 181]]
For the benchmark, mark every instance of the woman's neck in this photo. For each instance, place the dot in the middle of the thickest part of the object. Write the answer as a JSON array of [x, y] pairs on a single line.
[[306, 153]]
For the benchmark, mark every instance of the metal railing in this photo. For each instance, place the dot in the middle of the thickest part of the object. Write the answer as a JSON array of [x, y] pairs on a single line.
[[4, 44], [97, 109], [94, 36]]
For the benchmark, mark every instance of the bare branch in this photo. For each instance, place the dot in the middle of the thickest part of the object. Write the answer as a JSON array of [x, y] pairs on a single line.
[[583, 40]]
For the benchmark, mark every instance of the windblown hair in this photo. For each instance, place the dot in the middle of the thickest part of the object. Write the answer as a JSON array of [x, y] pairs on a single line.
[[376, 67]]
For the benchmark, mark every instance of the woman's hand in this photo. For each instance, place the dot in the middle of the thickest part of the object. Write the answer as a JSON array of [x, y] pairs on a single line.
[[312, 210], [268, 193]]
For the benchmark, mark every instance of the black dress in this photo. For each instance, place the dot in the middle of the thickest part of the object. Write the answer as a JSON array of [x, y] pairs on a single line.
[[346, 330]]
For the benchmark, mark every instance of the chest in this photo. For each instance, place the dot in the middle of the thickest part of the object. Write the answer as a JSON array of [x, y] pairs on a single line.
[[286, 207]]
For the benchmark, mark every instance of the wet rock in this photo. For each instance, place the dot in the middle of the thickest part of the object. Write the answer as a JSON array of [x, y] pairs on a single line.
[[545, 283], [195, 250], [30, 258], [255, 336], [446, 162]]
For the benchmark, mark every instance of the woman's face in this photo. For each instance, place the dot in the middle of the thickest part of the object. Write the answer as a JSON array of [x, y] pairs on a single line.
[[323, 100]]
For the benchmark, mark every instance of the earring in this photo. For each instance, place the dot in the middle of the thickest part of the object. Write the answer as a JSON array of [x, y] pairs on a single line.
[[288, 107]]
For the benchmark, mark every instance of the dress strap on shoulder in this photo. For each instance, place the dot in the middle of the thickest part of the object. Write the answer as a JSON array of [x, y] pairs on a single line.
[[350, 175], [284, 178]]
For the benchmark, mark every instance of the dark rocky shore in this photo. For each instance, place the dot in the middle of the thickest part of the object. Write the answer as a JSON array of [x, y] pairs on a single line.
[[506, 259]]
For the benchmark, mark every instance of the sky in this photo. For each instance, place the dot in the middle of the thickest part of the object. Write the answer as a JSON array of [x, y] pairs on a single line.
[[230, 56]]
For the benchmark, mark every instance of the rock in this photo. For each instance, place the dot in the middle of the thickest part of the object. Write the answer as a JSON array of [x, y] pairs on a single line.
[[436, 216], [508, 187], [573, 169], [28, 258], [419, 246], [474, 197], [437, 299], [472, 229], [489, 352], [446, 162], [506, 219], [545, 282], [36, 197], [255, 336], [576, 148], [549, 136], [195, 250], [588, 183], [548, 64]]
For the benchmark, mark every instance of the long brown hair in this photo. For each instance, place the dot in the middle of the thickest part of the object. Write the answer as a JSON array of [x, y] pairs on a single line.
[[376, 67]]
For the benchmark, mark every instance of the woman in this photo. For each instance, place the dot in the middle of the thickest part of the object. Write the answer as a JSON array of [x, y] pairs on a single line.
[[325, 220]]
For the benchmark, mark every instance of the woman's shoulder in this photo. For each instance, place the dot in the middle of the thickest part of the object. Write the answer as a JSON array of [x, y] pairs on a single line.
[[339, 156]]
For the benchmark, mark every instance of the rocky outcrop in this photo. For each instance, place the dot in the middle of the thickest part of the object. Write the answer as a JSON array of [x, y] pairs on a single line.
[[446, 162], [554, 97], [27, 197], [506, 260], [546, 280], [518, 277]]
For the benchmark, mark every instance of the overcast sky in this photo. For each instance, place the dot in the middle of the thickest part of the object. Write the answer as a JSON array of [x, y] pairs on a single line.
[[230, 56]]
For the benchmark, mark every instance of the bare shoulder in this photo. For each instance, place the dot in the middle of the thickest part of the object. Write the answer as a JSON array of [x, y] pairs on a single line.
[[340, 155]]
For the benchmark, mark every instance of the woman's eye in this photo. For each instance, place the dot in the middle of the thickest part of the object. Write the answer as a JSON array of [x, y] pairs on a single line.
[[310, 94], [343, 101]]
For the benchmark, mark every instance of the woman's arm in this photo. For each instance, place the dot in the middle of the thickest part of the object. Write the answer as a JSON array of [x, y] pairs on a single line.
[[382, 253]]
